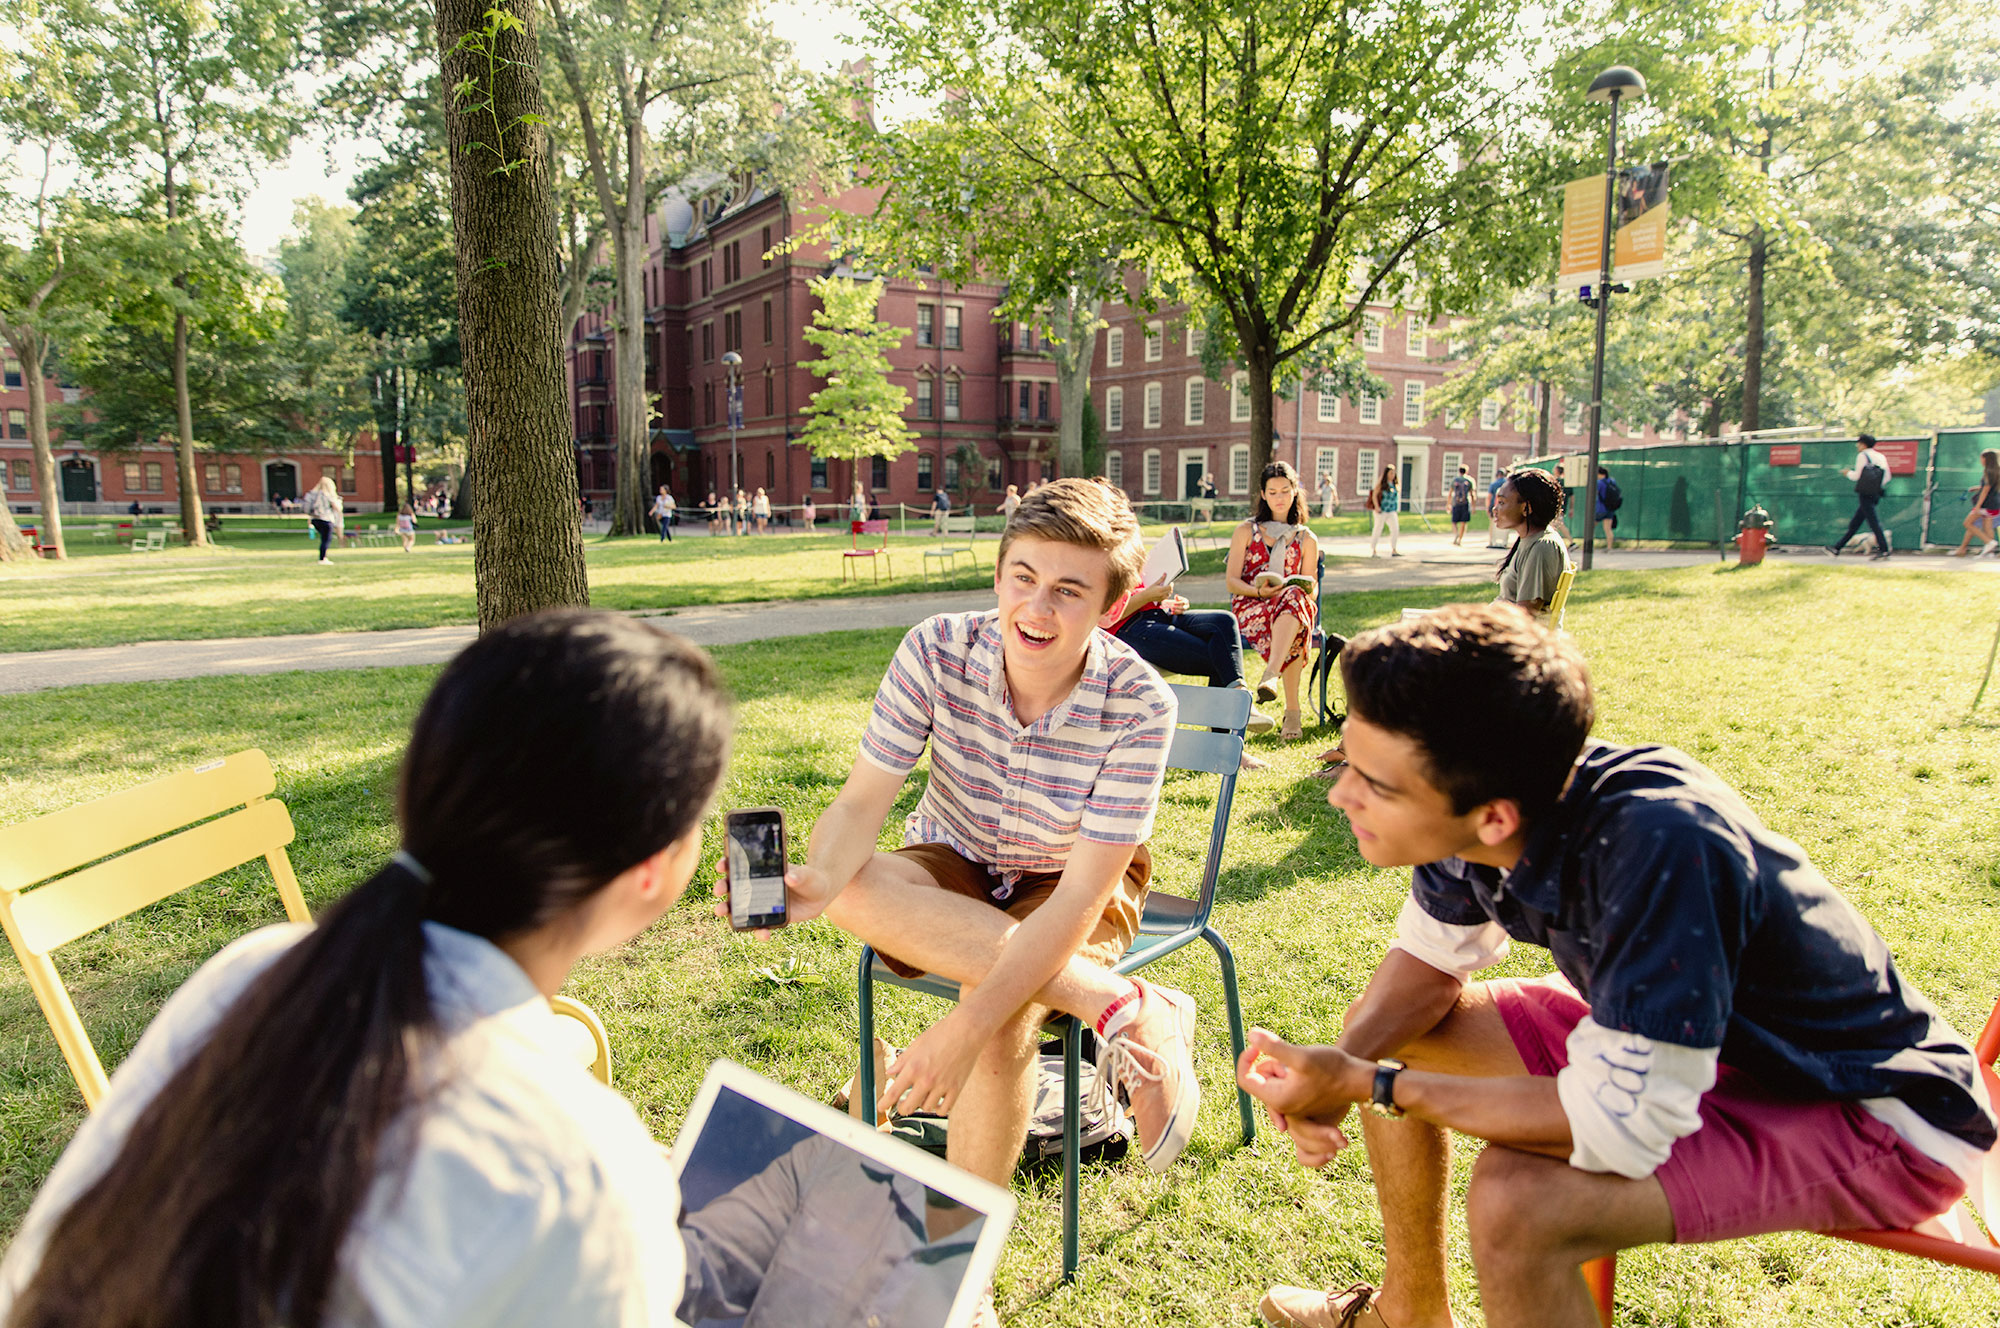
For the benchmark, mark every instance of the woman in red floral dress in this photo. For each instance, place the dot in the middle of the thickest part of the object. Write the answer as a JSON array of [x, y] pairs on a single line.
[[1277, 622]]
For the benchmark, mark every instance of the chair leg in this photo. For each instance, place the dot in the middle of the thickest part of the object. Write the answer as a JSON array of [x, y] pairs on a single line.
[[1234, 1000], [1599, 1275], [864, 1081], [1072, 1140]]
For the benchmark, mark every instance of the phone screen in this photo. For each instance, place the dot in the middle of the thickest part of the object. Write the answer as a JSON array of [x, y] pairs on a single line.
[[756, 848]]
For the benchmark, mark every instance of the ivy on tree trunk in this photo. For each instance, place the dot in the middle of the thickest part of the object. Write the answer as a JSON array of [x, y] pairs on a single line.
[[521, 466]]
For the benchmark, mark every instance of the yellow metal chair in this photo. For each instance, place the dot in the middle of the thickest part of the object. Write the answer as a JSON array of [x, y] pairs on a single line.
[[213, 817], [1560, 599]]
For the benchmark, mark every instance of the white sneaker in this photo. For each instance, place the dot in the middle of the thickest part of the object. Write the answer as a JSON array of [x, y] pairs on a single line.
[[1159, 1081], [1259, 723]]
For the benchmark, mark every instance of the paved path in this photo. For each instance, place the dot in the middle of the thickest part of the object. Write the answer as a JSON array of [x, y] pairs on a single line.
[[1428, 560]]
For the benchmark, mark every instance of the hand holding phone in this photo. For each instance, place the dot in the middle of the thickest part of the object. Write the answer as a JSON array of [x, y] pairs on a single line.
[[755, 854]]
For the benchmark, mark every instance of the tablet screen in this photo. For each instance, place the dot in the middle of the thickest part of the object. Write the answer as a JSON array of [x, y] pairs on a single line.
[[786, 1225]]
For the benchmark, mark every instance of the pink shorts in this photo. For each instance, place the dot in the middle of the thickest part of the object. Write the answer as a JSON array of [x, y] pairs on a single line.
[[1759, 1162]]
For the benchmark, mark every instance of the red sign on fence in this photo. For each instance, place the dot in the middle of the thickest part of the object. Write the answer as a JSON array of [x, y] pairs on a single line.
[[1901, 454], [1786, 454]]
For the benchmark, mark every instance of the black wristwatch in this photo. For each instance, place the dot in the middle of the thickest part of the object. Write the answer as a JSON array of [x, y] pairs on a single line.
[[1384, 1096]]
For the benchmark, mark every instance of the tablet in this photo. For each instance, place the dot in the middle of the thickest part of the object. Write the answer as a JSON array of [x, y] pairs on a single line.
[[794, 1213]]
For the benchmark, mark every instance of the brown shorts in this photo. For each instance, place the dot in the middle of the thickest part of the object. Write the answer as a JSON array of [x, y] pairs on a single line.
[[960, 875]]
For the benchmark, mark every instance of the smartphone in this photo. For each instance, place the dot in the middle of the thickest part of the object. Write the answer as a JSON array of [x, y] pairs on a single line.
[[756, 849]]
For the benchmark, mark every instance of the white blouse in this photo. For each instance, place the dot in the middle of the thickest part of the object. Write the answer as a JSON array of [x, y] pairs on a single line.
[[534, 1195]]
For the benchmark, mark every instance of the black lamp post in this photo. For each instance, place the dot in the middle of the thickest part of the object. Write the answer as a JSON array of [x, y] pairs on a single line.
[[1612, 85], [732, 406]]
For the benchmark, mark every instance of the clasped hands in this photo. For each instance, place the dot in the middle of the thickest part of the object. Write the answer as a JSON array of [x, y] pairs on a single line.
[[1306, 1090]]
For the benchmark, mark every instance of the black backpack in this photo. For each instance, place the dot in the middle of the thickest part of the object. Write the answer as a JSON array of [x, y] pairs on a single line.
[[1871, 481], [1613, 499]]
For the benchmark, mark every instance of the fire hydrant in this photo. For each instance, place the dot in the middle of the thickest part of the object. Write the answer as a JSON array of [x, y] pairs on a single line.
[[1753, 533]]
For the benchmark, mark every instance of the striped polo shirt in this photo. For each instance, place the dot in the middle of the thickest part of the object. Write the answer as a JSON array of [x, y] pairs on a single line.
[[1017, 797]]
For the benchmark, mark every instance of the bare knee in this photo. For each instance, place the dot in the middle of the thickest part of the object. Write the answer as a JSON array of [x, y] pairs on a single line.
[[1507, 1210]]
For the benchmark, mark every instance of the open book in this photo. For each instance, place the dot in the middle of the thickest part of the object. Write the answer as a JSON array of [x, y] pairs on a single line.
[[1167, 559], [1299, 579]]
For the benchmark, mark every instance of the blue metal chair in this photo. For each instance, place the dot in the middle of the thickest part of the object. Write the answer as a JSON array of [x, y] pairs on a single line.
[[1323, 659], [1209, 740]]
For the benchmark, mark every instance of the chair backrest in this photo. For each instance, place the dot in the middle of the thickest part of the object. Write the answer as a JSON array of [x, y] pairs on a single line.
[[958, 525], [66, 874], [1560, 600], [856, 529], [1209, 740]]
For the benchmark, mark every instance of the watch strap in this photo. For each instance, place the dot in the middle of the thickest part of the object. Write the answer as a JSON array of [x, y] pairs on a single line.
[[1384, 1094]]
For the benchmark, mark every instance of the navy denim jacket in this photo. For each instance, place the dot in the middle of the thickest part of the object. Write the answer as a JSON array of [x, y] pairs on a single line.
[[1678, 916]]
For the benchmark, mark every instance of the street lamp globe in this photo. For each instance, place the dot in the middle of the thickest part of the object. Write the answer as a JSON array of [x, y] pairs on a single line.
[[1616, 83], [731, 359]]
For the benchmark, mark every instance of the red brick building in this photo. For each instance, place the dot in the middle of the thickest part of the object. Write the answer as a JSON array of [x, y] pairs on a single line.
[[710, 289], [98, 481]]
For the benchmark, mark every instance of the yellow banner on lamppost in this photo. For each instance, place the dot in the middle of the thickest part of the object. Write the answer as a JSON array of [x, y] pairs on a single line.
[[1639, 243]]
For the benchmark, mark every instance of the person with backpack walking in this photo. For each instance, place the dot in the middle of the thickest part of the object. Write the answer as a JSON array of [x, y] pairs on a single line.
[[1461, 505], [1609, 500], [1871, 477]]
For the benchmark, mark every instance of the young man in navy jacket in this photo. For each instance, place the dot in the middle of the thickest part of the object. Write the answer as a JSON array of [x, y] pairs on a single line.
[[1726, 1047]]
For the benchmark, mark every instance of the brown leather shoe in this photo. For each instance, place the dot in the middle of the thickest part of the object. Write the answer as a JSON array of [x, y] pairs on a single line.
[[1308, 1307]]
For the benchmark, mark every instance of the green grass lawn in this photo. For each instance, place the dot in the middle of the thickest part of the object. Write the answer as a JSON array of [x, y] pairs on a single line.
[[272, 585], [1836, 702]]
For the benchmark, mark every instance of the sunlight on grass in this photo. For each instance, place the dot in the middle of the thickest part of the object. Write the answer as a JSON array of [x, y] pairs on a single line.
[[1835, 701]]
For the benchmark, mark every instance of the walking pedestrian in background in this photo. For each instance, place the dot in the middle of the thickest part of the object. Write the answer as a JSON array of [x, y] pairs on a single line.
[[663, 512], [1984, 517], [1461, 505], [1385, 503], [323, 509], [1871, 479]]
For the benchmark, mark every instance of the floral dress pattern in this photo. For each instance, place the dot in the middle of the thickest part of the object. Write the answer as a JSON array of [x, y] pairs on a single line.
[[1255, 616]]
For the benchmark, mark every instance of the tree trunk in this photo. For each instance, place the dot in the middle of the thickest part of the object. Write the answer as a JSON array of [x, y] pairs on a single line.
[[1257, 362], [391, 436], [1542, 421], [520, 460], [1074, 321], [1753, 333], [13, 544], [31, 348], [191, 528]]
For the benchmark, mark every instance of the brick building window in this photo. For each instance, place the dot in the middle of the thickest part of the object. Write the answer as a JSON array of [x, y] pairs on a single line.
[[1154, 410], [1114, 347], [951, 397], [1194, 408], [1367, 465], [924, 472], [1114, 410], [1371, 408], [1114, 469], [1413, 403], [767, 317], [927, 325], [954, 329], [1239, 468], [926, 407], [1152, 470]]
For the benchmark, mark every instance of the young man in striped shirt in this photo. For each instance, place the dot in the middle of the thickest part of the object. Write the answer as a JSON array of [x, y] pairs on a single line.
[[1024, 866]]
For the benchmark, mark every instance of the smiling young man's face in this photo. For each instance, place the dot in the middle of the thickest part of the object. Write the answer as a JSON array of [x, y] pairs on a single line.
[[1051, 596], [1400, 818]]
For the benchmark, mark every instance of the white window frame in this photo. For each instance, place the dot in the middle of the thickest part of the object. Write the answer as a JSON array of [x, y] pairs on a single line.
[[1448, 465], [1326, 461], [1114, 409], [1635, 431], [1417, 340], [953, 330], [1197, 341], [1114, 469], [1367, 464], [1413, 403], [1194, 401], [1239, 396], [1239, 468], [954, 397], [924, 400], [1371, 408], [1371, 332], [1114, 347], [1155, 341], [1151, 470], [1489, 414], [1489, 466], [1328, 408], [1155, 412]]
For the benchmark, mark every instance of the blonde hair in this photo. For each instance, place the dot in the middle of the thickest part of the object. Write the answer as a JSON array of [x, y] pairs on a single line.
[[327, 486], [1087, 514]]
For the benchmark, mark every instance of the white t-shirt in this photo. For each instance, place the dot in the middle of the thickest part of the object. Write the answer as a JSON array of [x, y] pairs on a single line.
[[534, 1195]]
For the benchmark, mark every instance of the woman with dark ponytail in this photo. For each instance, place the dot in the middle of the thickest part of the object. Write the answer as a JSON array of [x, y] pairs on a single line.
[[371, 1120], [1528, 504]]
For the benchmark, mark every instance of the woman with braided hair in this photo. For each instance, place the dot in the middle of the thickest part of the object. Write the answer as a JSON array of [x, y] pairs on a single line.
[[1528, 504]]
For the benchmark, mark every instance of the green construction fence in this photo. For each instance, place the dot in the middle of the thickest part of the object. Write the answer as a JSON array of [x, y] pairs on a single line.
[[1694, 493]]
